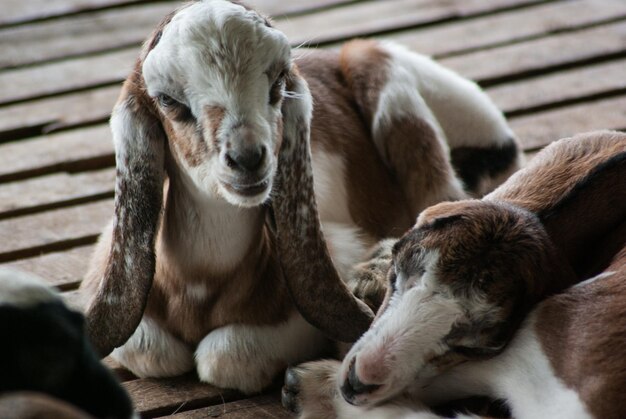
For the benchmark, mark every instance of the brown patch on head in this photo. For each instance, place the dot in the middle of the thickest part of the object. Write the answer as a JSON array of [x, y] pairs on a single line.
[[214, 118], [582, 332], [187, 142], [496, 260]]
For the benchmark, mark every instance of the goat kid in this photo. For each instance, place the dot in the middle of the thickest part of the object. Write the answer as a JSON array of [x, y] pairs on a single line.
[[45, 350], [469, 273], [216, 238]]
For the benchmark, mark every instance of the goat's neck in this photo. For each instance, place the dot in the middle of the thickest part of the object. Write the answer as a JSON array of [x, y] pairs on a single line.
[[207, 233]]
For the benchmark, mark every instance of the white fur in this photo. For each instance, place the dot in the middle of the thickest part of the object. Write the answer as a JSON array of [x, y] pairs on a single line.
[[153, 352], [330, 187], [248, 357], [522, 375], [346, 245], [23, 290], [476, 122], [393, 353]]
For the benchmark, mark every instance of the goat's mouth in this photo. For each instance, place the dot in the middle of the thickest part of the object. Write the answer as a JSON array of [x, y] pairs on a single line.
[[247, 190]]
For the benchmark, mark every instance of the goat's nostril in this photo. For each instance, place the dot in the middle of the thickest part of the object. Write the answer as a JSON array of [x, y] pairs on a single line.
[[247, 159], [353, 386]]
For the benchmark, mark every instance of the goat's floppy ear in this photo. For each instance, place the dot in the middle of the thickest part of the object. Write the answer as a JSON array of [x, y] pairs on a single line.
[[139, 151], [314, 284]]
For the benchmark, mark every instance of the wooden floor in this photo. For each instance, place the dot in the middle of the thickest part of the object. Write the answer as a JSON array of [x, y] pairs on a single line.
[[555, 67]]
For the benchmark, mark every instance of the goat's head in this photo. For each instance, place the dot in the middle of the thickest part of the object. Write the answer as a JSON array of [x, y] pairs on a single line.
[[216, 73], [460, 284], [216, 86]]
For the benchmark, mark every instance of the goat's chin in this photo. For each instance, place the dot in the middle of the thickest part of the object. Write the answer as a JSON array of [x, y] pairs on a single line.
[[246, 197]]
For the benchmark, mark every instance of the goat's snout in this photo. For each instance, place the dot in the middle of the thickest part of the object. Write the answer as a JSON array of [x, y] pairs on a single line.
[[353, 387], [246, 159]]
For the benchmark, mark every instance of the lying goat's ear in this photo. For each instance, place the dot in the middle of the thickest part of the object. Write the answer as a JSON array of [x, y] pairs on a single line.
[[139, 151], [315, 286]]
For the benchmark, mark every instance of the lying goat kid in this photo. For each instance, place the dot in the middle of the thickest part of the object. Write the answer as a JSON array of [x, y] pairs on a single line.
[[219, 112], [470, 272]]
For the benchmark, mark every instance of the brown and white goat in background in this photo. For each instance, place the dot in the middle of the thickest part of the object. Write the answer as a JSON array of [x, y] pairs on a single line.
[[471, 272], [216, 237]]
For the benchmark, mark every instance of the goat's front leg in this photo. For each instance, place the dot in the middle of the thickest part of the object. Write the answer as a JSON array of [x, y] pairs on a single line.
[[248, 357], [311, 391], [153, 352], [368, 280]]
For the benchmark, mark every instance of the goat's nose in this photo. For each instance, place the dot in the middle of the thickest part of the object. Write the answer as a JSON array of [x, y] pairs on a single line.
[[246, 159], [353, 386]]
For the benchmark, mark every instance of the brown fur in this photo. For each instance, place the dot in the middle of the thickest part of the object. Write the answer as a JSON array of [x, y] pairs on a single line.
[[31, 405], [583, 333]]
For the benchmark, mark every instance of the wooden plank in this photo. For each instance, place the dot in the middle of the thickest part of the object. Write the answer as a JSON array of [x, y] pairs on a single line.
[[73, 74], [165, 396], [533, 57], [51, 114], [80, 149], [560, 88], [538, 130], [19, 11], [375, 17], [31, 235], [63, 270], [260, 407], [60, 189], [60, 77], [82, 34], [114, 29], [503, 28]]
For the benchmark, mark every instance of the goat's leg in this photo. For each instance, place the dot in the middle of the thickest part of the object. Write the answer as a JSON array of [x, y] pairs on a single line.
[[153, 352], [405, 131], [248, 357]]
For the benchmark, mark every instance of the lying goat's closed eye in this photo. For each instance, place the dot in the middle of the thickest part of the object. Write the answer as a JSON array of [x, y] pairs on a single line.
[[212, 145]]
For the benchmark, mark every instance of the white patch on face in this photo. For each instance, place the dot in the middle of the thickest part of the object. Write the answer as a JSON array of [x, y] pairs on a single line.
[[215, 53], [198, 292], [247, 357], [23, 290], [395, 351]]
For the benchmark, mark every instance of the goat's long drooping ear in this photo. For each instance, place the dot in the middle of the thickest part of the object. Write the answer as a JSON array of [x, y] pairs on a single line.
[[315, 286], [139, 151]]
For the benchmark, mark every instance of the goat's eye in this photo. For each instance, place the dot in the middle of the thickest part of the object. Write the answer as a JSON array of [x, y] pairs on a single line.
[[166, 101], [276, 91], [174, 108]]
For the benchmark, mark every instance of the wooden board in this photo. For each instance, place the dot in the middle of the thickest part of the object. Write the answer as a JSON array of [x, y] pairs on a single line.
[[53, 191], [539, 130], [260, 407], [66, 151], [161, 397], [561, 88], [125, 27], [64, 269], [512, 27], [74, 74], [538, 56], [31, 235]]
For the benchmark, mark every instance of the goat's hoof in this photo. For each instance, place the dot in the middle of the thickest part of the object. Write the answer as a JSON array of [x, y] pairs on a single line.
[[291, 390]]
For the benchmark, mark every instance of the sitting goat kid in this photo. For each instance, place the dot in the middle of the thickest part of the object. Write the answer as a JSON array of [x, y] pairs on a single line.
[[468, 275], [46, 351], [215, 256]]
